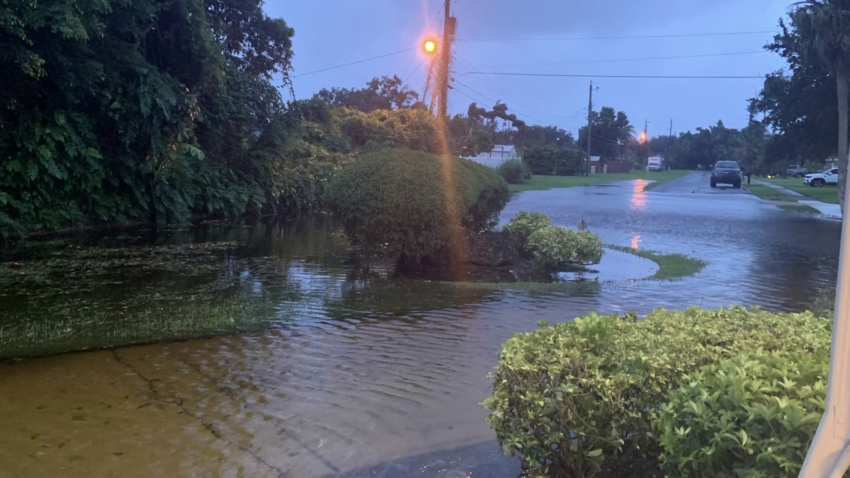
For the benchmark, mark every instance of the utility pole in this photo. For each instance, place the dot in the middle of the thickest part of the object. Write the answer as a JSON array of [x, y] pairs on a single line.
[[589, 129], [448, 36], [669, 142], [646, 142]]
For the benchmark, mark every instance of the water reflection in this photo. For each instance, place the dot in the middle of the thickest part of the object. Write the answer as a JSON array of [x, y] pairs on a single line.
[[635, 242], [638, 200]]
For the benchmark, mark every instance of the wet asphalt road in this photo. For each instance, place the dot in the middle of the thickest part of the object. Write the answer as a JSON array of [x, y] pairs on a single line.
[[697, 182]]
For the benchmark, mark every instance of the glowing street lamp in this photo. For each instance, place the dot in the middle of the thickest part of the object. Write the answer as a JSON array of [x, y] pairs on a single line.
[[643, 137], [430, 46]]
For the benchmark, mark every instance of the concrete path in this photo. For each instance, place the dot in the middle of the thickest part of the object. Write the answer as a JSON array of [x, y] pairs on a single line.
[[830, 210]]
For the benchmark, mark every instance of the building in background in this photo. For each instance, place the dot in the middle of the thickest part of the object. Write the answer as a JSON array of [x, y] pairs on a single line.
[[498, 155]]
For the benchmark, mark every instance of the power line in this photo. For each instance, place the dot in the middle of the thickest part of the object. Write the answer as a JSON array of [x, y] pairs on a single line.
[[575, 75], [414, 70], [628, 37], [490, 99], [637, 59], [495, 88], [409, 62], [356, 62]]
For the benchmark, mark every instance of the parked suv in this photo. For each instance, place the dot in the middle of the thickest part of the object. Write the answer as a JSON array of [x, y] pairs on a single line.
[[796, 171], [816, 180], [726, 172]]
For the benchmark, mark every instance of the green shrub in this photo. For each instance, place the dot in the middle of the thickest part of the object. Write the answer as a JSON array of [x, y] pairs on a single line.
[[524, 223], [514, 171], [753, 416], [570, 398], [554, 246], [552, 161], [400, 203]]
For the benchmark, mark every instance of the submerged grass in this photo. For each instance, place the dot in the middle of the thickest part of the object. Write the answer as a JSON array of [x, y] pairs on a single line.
[[768, 193], [799, 208], [97, 329], [671, 267]]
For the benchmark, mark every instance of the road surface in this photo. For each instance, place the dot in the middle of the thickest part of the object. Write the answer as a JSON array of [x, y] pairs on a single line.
[[696, 182]]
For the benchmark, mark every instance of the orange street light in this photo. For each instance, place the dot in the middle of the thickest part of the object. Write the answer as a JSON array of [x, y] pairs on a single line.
[[430, 46], [643, 137]]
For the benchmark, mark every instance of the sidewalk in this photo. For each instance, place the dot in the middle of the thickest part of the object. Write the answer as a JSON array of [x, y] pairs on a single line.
[[829, 210]]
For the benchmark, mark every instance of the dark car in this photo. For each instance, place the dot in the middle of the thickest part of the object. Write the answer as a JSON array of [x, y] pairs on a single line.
[[726, 172]]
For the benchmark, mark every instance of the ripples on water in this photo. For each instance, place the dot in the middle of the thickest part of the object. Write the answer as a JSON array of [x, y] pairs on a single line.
[[360, 376]]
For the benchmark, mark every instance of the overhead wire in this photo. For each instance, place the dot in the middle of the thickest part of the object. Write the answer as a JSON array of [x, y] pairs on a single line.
[[356, 62], [584, 75], [707, 55], [495, 88], [620, 37]]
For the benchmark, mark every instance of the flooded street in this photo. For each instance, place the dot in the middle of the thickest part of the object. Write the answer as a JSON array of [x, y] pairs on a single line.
[[357, 377]]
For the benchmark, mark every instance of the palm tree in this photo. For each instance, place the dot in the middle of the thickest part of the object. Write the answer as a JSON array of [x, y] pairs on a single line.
[[824, 25]]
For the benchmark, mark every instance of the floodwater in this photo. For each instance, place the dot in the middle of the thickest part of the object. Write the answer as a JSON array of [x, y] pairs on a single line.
[[359, 376]]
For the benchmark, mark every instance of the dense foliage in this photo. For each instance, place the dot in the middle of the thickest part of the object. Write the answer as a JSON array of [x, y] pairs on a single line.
[[554, 247], [572, 398], [750, 416], [138, 110], [401, 203], [385, 93], [553, 161], [524, 223], [514, 171]]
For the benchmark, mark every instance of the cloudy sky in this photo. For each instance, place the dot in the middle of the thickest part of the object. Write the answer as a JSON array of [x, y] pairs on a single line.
[[551, 36]]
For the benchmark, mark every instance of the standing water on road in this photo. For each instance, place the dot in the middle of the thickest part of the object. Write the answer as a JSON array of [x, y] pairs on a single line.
[[337, 373]]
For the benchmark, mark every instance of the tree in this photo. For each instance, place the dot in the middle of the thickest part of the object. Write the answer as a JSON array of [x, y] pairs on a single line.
[[801, 107], [610, 132], [142, 110], [384, 93], [825, 26]]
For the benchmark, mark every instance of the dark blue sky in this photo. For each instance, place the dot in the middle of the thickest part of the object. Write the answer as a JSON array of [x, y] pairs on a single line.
[[333, 32]]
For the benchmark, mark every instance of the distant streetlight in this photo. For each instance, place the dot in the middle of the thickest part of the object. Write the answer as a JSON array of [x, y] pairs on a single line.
[[643, 137], [430, 46]]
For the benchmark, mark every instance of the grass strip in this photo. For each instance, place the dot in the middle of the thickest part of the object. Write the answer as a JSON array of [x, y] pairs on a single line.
[[769, 194], [799, 208], [671, 267]]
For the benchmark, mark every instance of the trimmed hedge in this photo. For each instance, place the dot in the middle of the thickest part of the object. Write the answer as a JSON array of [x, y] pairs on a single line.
[[571, 398], [524, 223], [553, 247], [396, 202], [753, 416]]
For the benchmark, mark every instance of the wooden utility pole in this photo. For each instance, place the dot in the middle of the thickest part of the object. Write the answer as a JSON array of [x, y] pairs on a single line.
[[589, 128], [445, 61], [669, 142], [646, 141]]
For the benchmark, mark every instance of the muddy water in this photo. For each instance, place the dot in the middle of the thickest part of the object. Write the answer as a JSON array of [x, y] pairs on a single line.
[[361, 377]]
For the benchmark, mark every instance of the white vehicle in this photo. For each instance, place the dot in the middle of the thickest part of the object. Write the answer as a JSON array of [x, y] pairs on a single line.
[[653, 163], [816, 180]]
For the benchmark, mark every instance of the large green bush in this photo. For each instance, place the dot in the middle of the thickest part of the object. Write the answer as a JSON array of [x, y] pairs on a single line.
[[524, 223], [514, 171], [571, 398], [753, 416], [552, 247], [409, 204]]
